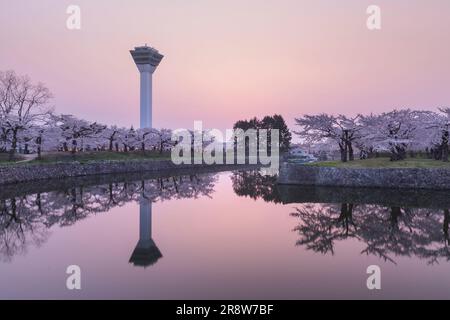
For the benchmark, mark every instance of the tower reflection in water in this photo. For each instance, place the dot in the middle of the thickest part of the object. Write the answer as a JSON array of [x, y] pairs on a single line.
[[27, 213], [146, 253], [409, 223]]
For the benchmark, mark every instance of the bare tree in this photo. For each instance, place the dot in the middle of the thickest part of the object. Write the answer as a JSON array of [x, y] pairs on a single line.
[[23, 105]]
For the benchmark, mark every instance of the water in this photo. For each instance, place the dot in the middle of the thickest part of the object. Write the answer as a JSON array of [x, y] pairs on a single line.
[[229, 235]]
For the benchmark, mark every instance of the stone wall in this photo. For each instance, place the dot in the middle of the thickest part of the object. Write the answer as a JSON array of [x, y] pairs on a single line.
[[33, 172], [424, 178]]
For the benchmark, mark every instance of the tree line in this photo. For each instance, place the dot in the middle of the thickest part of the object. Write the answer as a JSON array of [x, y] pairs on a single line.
[[28, 124], [269, 122], [396, 132]]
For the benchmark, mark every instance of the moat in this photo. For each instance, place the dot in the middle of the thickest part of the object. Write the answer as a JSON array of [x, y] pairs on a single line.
[[228, 235]]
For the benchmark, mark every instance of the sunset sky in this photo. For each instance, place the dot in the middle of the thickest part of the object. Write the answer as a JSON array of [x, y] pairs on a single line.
[[227, 60]]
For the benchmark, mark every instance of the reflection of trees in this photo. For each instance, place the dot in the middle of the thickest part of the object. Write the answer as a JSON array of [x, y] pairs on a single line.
[[321, 227], [20, 225], [26, 220], [386, 231], [255, 185]]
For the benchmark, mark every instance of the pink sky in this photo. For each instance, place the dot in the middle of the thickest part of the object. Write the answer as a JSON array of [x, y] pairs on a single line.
[[227, 60]]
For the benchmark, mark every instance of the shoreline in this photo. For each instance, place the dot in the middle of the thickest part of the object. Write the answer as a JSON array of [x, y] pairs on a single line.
[[12, 174], [392, 178], [290, 174], [411, 198]]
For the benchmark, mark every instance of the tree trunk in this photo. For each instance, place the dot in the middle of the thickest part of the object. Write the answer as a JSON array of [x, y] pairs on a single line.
[[74, 146], [346, 216], [396, 212], [445, 146], [351, 155], [39, 203], [12, 152], [362, 155], [111, 194], [398, 152], [39, 142], [343, 149]]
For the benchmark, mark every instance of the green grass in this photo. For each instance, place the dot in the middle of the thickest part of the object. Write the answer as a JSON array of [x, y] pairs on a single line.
[[86, 157], [385, 163], [4, 158]]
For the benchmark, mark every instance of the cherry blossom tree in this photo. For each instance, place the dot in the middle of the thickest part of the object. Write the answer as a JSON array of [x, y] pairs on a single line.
[[163, 139], [144, 138], [394, 131], [46, 138], [111, 134], [342, 130], [75, 130], [127, 138], [367, 143], [3, 134], [23, 105], [435, 129]]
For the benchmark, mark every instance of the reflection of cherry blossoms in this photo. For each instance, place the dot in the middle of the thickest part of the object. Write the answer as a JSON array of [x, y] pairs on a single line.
[[387, 232], [20, 226], [26, 220], [387, 229], [192, 186]]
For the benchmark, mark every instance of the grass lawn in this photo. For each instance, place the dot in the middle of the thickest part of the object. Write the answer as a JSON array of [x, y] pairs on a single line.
[[85, 157], [385, 163], [4, 158]]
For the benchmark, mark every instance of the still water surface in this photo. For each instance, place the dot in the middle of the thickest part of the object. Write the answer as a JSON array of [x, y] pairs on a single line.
[[229, 235]]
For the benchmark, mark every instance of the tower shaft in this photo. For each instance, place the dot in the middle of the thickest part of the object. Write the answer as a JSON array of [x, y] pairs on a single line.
[[146, 100], [147, 60], [145, 220]]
